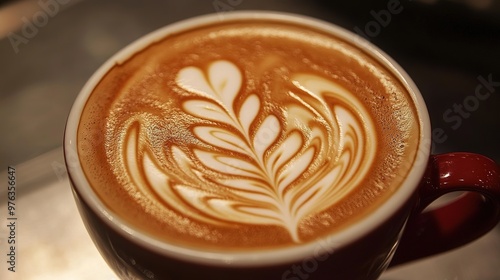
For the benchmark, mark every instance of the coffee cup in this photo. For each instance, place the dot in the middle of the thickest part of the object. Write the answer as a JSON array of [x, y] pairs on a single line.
[[264, 145]]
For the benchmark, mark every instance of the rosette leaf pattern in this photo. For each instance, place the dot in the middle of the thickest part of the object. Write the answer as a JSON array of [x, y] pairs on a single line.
[[251, 166]]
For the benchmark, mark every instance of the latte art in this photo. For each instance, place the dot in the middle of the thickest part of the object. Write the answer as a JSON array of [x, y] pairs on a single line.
[[246, 135], [251, 167]]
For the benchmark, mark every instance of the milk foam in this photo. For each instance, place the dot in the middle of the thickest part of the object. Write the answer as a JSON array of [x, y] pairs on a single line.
[[252, 166], [245, 135]]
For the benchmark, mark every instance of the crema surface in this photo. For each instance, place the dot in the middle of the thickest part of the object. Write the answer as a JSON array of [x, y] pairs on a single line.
[[247, 135]]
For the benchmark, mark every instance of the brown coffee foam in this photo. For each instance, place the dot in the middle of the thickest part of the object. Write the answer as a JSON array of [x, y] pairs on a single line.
[[144, 83]]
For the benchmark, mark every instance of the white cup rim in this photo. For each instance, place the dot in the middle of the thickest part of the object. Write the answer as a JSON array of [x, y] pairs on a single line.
[[262, 257]]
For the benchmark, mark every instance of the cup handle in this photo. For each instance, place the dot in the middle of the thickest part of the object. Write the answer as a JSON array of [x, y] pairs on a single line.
[[462, 220]]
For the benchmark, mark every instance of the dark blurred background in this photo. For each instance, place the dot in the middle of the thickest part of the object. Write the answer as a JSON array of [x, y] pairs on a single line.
[[49, 48]]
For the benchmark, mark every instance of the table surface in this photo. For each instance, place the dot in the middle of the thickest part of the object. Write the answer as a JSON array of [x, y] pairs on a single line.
[[48, 49]]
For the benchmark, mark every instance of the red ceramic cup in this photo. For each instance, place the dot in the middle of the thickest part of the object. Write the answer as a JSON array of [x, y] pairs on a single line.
[[397, 232]]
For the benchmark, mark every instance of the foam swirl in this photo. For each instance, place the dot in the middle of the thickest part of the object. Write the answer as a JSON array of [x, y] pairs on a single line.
[[255, 166]]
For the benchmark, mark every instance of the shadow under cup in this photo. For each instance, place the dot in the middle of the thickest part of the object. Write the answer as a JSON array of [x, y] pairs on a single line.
[[361, 251]]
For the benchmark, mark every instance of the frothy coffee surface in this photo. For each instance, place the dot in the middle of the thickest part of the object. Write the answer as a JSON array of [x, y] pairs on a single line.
[[247, 135]]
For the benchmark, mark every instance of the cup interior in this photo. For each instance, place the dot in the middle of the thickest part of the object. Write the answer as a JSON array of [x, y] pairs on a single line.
[[253, 258]]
